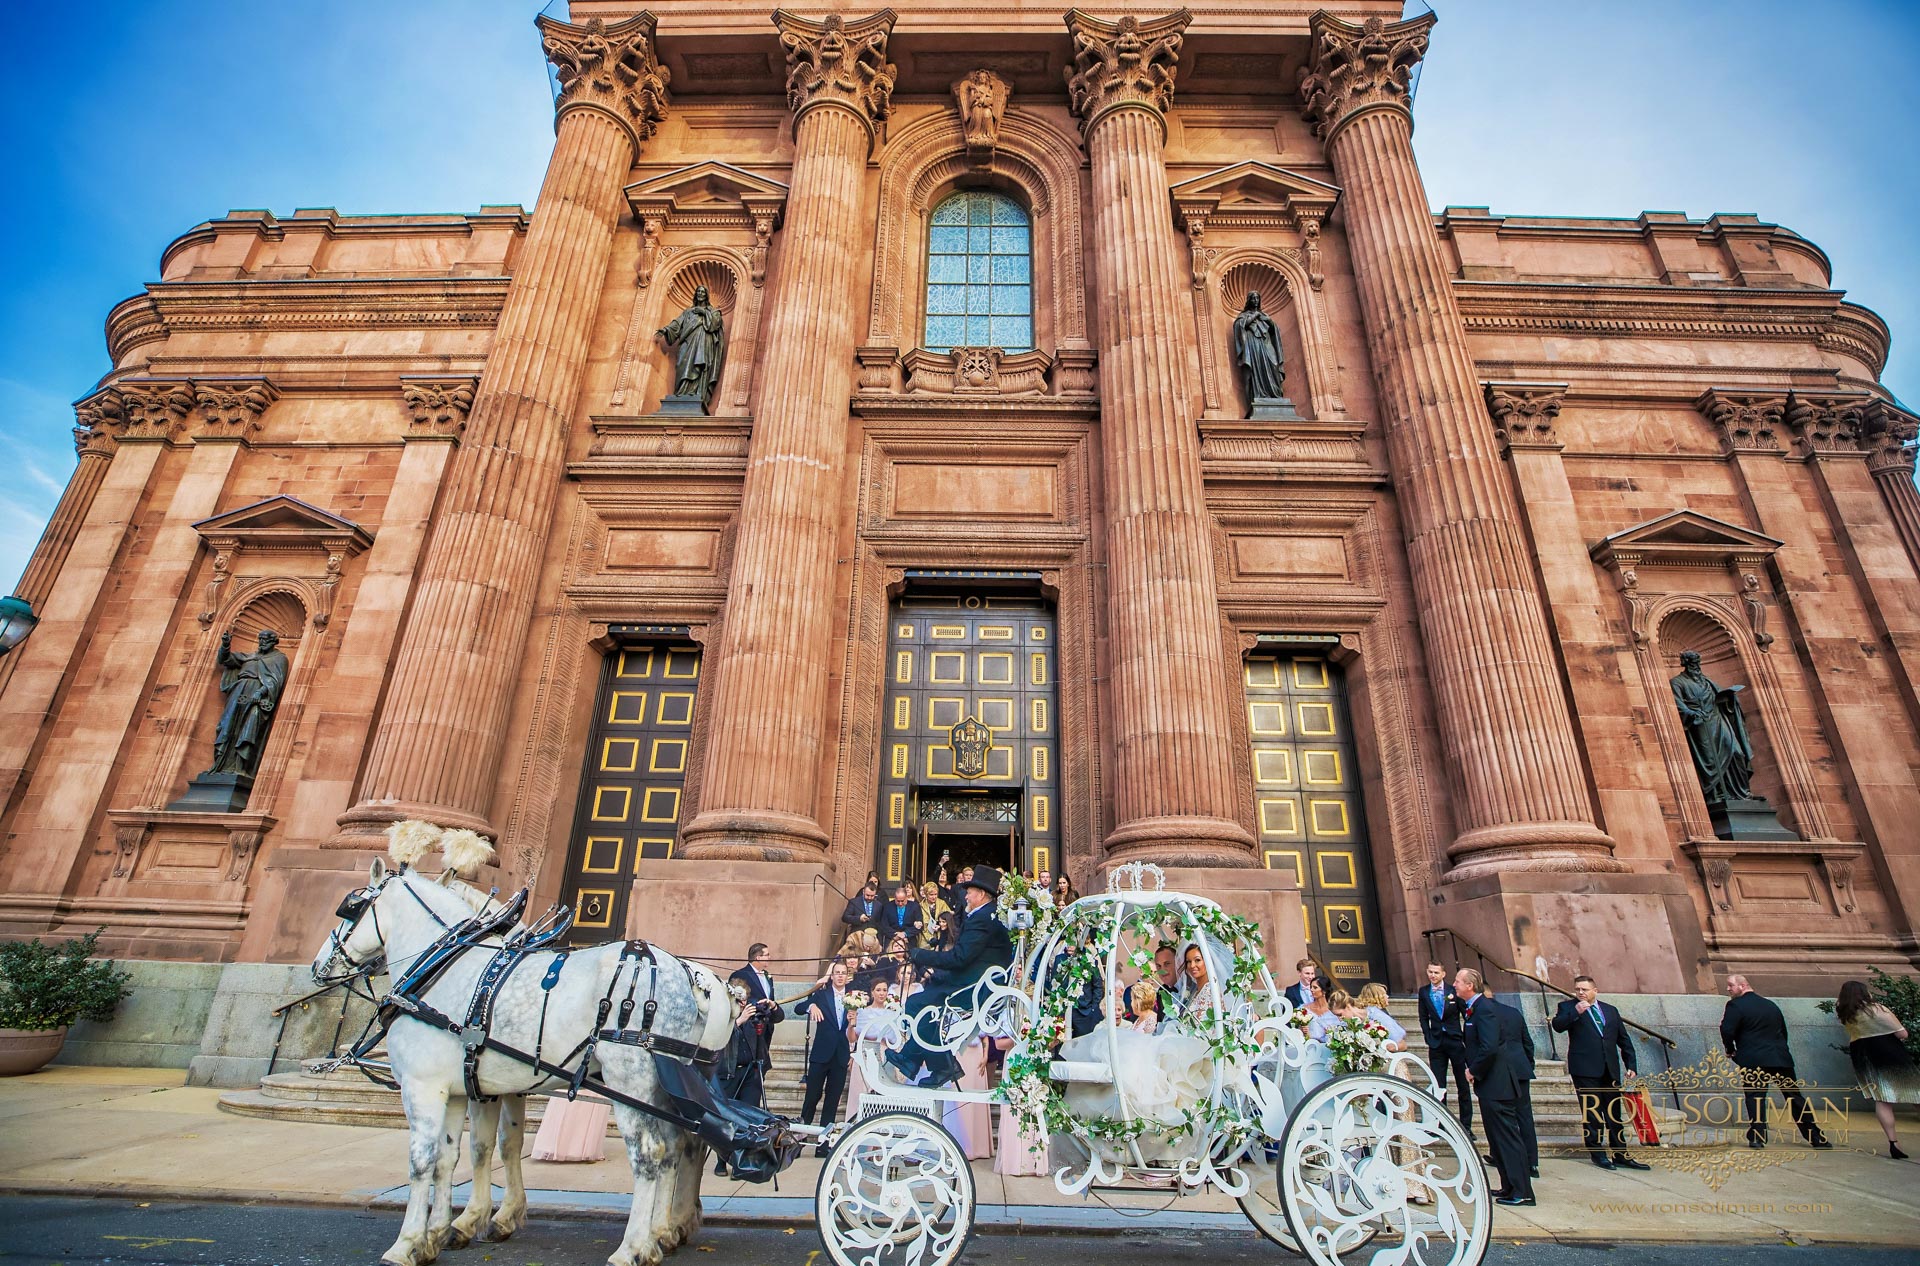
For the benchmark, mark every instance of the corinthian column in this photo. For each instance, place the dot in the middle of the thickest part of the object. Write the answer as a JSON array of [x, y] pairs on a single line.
[[436, 751], [1889, 435], [1174, 787], [770, 706], [1521, 792]]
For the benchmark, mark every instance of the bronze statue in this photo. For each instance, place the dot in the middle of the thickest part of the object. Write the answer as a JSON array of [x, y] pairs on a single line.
[[1716, 733], [1256, 349], [695, 338], [253, 685]]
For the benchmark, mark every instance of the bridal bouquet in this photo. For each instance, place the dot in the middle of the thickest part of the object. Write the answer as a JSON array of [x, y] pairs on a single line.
[[854, 999], [1358, 1045]]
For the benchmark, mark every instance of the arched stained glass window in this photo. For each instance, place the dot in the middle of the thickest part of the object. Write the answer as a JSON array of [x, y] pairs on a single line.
[[980, 274]]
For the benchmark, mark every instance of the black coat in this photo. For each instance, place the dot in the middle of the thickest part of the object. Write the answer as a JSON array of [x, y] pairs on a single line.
[[984, 943], [1755, 1033], [760, 1029], [1596, 1051], [861, 913], [1499, 1049], [1296, 994], [1444, 1026], [830, 1044], [898, 918]]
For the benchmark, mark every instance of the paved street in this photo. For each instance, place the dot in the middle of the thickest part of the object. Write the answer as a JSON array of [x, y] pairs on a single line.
[[68, 1232]]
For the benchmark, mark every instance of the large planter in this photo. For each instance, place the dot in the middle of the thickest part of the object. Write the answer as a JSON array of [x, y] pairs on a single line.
[[28, 1050]]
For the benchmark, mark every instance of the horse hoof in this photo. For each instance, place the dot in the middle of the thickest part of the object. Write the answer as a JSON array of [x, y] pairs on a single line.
[[458, 1237]]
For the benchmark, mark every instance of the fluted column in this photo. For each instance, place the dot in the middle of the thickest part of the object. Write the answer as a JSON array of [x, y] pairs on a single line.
[[1890, 435], [770, 702], [1521, 791], [435, 753], [1174, 788]]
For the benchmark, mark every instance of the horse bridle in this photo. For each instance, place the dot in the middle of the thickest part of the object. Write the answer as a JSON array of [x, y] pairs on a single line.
[[363, 901]]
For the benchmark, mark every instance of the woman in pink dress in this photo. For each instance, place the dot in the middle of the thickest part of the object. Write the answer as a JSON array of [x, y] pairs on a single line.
[[972, 1123], [1021, 1155], [572, 1130]]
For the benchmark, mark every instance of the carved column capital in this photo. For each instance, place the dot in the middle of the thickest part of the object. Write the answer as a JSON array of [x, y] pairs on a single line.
[[1121, 64], [98, 419], [155, 408], [611, 69], [230, 408], [1889, 435], [833, 61], [1747, 423], [1824, 425], [1524, 413], [1354, 68], [439, 405]]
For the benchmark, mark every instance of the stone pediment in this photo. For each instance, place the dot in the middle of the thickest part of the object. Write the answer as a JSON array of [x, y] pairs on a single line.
[[1684, 538], [712, 194], [282, 523], [1254, 195]]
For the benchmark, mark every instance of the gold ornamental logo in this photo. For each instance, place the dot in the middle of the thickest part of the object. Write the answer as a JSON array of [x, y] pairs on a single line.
[[970, 740], [1710, 1097]]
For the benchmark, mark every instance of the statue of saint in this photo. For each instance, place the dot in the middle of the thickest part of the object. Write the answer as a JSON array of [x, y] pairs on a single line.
[[1256, 349], [252, 685], [1716, 732], [694, 336]]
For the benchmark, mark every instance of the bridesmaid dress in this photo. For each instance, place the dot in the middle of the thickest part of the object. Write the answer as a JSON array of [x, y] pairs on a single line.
[[572, 1131], [972, 1123]]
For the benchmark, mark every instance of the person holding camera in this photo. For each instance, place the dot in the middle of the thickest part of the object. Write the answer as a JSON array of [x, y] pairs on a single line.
[[754, 1037]]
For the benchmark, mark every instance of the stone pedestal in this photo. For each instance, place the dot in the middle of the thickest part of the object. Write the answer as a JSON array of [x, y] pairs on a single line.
[[1270, 898], [682, 407], [712, 911], [215, 793], [1272, 409], [1750, 819]]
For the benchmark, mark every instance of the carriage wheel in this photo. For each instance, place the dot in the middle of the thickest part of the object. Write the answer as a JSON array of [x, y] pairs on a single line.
[[1366, 1157], [896, 1189], [1261, 1204]]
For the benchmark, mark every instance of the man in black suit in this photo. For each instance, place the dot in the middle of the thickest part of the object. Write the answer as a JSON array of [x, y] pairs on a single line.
[[902, 916], [829, 1053], [1755, 1035], [1300, 992], [983, 944], [1446, 1047], [755, 1036], [1500, 1063], [1600, 1060], [863, 909]]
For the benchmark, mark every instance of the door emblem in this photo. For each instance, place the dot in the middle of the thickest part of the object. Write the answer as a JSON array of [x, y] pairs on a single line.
[[970, 740]]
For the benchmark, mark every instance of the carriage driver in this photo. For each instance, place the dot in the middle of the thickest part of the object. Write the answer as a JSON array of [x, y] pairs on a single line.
[[983, 944]]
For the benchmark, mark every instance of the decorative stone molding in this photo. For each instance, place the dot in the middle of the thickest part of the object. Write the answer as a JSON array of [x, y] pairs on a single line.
[[1829, 864], [982, 100], [1076, 371], [282, 525], [230, 408], [1889, 435], [982, 371], [1524, 413], [1122, 64], [155, 408], [1747, 423], [100, 417], [610, 69], [1754, 600], [1681, 540], [1234, 450], [1310, 247], [1825, 426], [439, 405], [1355, 68], [831, 61], [174, 847]]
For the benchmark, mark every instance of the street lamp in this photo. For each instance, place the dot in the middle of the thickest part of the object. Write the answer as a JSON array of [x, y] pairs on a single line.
[[16, 621]]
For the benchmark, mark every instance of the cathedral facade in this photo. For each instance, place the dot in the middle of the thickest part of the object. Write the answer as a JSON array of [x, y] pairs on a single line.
[[1050, 440]]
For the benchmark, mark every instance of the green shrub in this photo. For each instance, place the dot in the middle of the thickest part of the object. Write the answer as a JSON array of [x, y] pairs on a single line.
[[1898, 994], [51, 986]]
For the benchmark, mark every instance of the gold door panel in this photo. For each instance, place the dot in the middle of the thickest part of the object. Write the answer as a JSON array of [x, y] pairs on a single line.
[[1308, 806], [633, 780]]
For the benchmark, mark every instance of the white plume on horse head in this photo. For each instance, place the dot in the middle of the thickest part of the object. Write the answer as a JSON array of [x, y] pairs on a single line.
[[466, 852], [411, 840]]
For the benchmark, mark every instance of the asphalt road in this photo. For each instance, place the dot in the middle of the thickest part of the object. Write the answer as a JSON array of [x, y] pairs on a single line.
[[62, 1232]]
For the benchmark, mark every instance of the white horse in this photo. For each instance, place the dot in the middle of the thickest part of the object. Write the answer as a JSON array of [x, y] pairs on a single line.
[[402, 915]]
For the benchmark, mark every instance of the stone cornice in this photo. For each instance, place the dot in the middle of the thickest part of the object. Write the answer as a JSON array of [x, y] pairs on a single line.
[[610, 69], [1356, 68], [1123, 64], [346, 303], [833, 61], [1524, 412]]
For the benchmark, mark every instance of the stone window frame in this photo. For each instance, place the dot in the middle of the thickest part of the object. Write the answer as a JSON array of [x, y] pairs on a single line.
[[1033, 162]]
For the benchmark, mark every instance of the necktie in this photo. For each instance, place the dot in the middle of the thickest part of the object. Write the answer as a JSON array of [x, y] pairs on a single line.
[[1599, 1020]]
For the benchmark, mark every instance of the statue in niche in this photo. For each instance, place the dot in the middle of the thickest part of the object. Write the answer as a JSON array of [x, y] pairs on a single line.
[[1716, 733], [982, 99], [1263, 369], [698, 346], [253, 685]]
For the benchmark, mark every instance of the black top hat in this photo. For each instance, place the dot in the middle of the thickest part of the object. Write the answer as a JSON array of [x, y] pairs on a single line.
[[986, 879]]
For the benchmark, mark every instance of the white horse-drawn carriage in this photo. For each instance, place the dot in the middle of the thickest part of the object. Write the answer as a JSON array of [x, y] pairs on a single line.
[[1360, 1169]]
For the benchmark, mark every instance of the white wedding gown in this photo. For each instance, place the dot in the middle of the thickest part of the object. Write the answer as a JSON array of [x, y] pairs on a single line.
[[1159, 1075]]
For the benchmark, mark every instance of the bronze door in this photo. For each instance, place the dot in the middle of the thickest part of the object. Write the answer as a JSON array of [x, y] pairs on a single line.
[[1308, 806], [634, 779], [969, 728]]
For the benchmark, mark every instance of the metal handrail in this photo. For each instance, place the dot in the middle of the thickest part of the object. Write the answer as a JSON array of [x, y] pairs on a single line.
[[1544, 985]]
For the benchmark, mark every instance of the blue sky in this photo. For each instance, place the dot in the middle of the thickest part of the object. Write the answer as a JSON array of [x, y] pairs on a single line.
[[123, 124]]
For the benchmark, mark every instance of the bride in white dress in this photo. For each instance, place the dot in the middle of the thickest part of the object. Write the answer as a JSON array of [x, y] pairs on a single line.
[[1158, 1074]]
